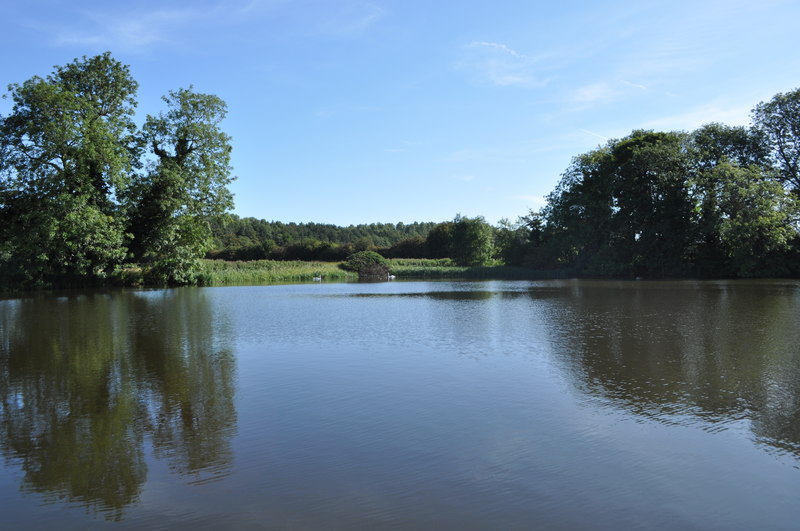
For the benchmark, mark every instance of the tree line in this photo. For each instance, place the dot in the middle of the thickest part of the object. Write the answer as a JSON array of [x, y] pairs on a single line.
[[86, 195], [237, 238], [85, 192], [719, 201], [468, 241]]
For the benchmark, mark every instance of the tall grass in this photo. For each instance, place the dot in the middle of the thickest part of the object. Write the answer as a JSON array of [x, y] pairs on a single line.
[[226, 273], [444, 268], [223, 273]]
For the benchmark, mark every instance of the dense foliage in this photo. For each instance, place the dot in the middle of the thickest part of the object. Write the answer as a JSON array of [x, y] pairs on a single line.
[[469, 241], [86, 195], [255, 239], [368, 264], [83, 191], [720, 201]]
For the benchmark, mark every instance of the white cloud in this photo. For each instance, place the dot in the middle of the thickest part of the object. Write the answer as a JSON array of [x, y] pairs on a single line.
[[128, 32], [134, 29], [501, 65], [711, 112], [595, 92], [346, 19], [497, 46], [634, 85], [596, 135]]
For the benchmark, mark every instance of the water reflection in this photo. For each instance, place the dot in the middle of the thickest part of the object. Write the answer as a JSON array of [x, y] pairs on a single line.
[[87, 379], [440, 295], [713, 354]]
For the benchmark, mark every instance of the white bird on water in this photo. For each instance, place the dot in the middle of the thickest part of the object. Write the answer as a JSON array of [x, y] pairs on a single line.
[[390, 276], [317, 279]]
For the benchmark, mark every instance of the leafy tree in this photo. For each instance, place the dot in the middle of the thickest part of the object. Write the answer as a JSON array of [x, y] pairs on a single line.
[[756, 216], [413, 247], [624, 208], [779, 120], [471, 242], [511, 241], [66, 151], [579, 214], [715, 143], [184, 189], [719, 152], [438, 240], [654, 220]]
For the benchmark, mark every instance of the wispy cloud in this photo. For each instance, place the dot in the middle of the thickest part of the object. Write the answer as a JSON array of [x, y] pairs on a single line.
[[347, 18], [128, 31], [634, 85], [518, 152], [596, 135], [131, 28], [595, 92], [730, 114], [501, 65], [497, 46]]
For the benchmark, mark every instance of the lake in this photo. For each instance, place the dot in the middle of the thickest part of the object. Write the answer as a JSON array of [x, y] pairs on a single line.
[[406, 405]]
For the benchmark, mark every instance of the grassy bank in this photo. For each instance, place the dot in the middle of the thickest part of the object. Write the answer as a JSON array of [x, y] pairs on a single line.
[[223, 273], [445, 269], [231, 273]]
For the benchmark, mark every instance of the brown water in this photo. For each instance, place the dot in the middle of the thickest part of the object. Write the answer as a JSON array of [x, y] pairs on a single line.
[[411, 405]]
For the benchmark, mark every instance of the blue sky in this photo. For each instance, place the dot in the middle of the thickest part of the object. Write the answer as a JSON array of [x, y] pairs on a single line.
[[351, 111]]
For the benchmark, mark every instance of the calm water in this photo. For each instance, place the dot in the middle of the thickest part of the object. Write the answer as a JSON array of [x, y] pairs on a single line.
[[411, 405]]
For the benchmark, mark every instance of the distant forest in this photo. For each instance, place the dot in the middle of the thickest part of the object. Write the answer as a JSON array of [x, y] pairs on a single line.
[[238, 238]]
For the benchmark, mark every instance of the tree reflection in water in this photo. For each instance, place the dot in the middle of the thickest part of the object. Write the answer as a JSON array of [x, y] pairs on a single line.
[[87, 379], [714, 354]]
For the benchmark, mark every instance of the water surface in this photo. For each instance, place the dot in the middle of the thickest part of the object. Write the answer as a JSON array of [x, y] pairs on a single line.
[[503, 405]]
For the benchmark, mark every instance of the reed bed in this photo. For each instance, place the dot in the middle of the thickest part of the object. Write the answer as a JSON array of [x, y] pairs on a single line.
[[224, 273], [444, 268], [228, 273]]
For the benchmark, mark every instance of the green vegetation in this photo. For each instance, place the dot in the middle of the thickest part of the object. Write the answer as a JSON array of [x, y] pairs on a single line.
[[88, 198], [222, 273], [445, 268], [84, 193], [251, 239], [471, 241], [367, 264], [227, 273], [708, 204]]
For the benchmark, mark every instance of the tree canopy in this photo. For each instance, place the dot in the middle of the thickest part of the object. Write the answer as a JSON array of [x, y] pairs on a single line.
[[79, 191], [717, 202], [85, 194]]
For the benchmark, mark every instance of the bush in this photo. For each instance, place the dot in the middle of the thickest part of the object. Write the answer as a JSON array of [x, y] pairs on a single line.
[[368, 264]]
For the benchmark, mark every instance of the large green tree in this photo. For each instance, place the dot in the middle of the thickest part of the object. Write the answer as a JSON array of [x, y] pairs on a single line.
[[623, 209], [66, 151], [76, 196], [742, 212], [779, 120], [174, 201], [471, 241]]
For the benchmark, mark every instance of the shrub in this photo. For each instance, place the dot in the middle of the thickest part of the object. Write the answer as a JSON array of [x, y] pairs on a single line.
[[368, 264]]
